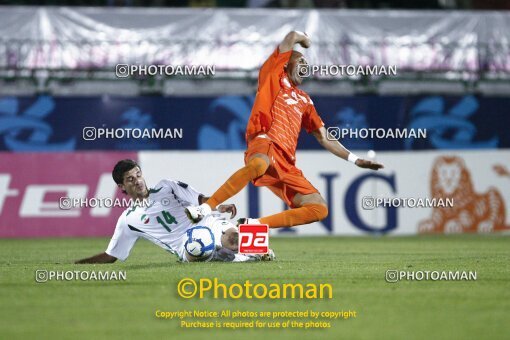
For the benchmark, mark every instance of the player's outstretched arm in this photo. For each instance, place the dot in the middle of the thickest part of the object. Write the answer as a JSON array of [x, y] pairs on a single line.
[[224, 208], [292, 38], [99, 258], [336, 148]]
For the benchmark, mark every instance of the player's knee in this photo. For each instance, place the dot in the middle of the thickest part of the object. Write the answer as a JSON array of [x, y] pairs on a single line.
[[230, 239], [257, 166], [321, 211]]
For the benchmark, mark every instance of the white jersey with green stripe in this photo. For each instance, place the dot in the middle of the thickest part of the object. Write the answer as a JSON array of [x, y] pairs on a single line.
[[161, 220]]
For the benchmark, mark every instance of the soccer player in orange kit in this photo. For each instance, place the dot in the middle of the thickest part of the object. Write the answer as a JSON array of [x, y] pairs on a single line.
[[279, 111]]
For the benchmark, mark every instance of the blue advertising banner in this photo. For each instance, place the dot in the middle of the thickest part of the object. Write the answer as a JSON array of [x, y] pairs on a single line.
[[48, 123]]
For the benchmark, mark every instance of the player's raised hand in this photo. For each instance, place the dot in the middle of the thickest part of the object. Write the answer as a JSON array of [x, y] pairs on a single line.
[[292, 38], [366, 164], [305, 41], [228, 208]]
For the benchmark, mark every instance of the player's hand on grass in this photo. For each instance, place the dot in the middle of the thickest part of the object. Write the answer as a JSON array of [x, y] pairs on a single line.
[[228, 208], [366, 164]]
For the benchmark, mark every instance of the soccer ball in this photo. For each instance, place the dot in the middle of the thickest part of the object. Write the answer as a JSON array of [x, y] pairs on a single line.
[[199, 242]]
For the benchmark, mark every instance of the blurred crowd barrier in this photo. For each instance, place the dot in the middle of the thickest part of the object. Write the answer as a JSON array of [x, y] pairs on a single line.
[[451, 44]]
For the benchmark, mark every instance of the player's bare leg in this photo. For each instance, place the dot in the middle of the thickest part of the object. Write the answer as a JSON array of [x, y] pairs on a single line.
[[255, 167]]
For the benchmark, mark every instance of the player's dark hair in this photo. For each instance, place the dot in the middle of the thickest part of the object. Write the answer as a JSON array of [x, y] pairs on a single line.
[[121, 168]]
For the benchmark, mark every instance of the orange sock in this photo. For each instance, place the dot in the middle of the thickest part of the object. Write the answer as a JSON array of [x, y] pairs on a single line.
[[256, 167], [306, 214]]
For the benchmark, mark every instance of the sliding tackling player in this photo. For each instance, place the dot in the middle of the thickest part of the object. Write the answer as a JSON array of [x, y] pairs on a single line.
[[160, 218]]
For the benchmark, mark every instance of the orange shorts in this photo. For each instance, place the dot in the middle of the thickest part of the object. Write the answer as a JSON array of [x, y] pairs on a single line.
[[282, 177]]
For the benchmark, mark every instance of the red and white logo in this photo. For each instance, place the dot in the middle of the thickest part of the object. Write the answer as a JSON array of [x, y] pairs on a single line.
[[253, 239]]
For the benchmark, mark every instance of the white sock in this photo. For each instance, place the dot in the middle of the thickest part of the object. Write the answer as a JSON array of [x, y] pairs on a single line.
[[245, 258]]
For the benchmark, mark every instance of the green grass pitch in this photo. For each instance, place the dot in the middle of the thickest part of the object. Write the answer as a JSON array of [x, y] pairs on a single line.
[[355, 267]]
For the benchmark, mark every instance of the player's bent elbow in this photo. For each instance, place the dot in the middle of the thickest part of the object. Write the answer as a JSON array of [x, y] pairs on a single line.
[[288, 42], [291, 37]]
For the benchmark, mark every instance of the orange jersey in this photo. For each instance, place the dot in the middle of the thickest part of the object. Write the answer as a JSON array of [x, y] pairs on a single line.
[[281, 109]]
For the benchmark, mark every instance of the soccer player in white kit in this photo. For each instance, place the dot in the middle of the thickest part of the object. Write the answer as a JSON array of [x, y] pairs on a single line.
[[158, 215]]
